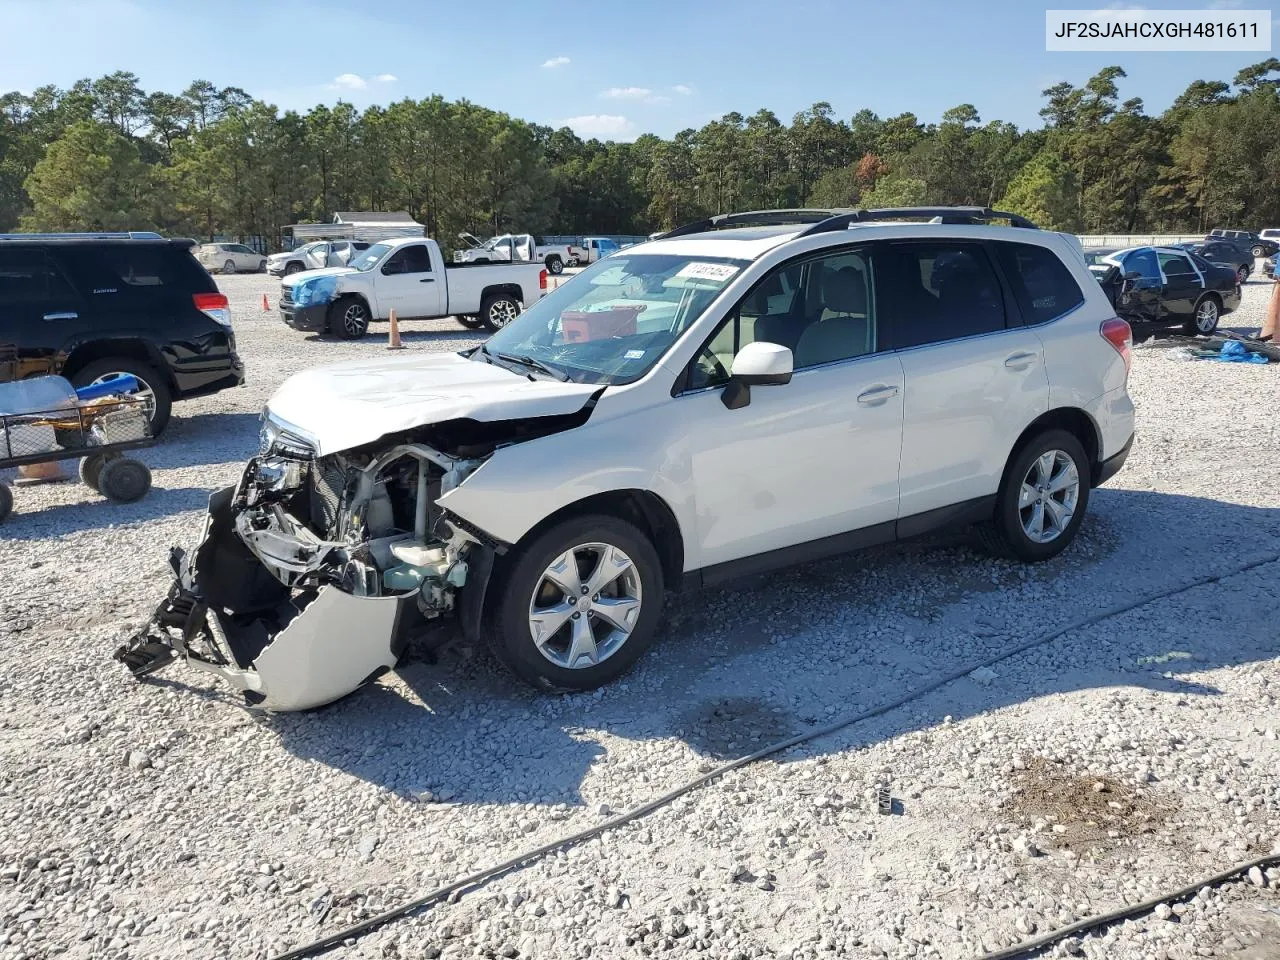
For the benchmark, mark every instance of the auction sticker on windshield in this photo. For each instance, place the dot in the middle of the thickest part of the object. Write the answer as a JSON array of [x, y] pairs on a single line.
[[718, 272]]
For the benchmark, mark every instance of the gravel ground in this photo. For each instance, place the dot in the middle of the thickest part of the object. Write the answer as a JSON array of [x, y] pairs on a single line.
[[161, 820]]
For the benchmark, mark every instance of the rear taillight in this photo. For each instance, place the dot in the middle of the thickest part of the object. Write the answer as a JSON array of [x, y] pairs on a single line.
[[1117, 333], [215, 306], [542, 279]]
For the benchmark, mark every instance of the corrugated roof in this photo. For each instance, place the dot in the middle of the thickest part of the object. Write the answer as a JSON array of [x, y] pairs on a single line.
[[370, 216]]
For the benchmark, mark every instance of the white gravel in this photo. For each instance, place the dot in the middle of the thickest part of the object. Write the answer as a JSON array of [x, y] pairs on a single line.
[[161, 820]]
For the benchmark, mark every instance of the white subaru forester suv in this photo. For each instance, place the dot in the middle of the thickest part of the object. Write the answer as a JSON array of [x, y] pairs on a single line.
[[743, 393]]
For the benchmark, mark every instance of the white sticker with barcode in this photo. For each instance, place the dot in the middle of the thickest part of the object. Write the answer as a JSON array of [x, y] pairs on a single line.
[[718, 272]]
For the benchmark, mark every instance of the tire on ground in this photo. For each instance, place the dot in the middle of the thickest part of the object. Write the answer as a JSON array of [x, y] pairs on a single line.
[[511, 637], [91, 468], [488, 307], [349, 318], [1004, 535], [1193, 326], [162, 395], [555, 265]]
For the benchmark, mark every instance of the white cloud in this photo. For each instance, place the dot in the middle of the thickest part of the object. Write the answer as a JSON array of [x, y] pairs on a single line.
[[348, 81], [683, 89], [385, 78], [626, 93], [600, 125], [555, 62]]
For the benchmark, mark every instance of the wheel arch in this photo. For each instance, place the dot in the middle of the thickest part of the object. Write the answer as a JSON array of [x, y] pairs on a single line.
[[135, 349], [643, 509], [500, 289], [1076, 422]]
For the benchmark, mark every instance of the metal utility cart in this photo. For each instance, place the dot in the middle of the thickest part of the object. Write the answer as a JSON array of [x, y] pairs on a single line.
[[44, 419]]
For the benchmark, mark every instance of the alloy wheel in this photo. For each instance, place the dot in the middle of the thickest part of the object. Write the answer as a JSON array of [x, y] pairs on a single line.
[[585, 605], [1048, 497], [502, 312], [1207, 316], [143, 393], [354, 321]]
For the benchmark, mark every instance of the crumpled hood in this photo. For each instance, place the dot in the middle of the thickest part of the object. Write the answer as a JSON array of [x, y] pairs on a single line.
[[344, 405], [304, 275]]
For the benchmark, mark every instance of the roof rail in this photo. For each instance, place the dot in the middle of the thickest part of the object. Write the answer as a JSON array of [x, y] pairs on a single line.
[[128, 235], [752, 218], [969, 215]]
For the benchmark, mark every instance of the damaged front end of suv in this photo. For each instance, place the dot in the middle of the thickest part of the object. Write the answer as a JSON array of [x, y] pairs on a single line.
[[314, 571]]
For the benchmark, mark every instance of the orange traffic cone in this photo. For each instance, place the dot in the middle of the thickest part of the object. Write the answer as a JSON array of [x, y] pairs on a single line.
[[393, 343], [266, 307]]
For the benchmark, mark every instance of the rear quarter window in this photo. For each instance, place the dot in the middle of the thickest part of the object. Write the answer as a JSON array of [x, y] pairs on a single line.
[[1043, 285], [137, 270]]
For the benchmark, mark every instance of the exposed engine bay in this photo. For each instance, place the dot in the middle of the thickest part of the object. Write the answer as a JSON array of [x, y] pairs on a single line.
[[313, 572]]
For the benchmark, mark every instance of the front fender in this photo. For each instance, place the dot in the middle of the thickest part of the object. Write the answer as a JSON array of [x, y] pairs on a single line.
[[521, 485]]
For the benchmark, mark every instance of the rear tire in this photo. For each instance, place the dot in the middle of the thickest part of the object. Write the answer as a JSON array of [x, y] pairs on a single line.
[[124, 480], [349, 318], [161, 395], [229, 267], [1204, 321], [555, 265], [524, 585], [499, 310], [1242, 274], [1051, 466], [1258, 252]]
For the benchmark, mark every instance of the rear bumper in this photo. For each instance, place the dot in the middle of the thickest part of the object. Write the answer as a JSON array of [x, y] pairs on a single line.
[[1113, 464], [210, 378], [314, 318]]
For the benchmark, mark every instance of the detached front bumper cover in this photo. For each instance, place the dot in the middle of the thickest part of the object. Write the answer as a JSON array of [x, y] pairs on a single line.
[[285, 650]]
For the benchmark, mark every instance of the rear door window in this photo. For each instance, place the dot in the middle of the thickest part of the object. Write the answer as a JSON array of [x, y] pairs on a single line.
[[1176, 267], [938, 291], [29, 276], [1041, 282]]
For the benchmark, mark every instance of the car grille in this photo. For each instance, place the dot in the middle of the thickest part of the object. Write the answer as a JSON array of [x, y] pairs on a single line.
[[286, 296]]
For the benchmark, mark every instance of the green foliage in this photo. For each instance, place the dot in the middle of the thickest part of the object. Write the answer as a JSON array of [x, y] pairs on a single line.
[[91, 177], [210, 161], [1045, 192]]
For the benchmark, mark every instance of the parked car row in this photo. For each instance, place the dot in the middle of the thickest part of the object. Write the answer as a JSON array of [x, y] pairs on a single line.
[[231, 258], [1265, 243]]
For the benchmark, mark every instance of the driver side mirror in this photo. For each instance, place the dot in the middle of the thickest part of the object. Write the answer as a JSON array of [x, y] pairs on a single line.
[[760, 364]]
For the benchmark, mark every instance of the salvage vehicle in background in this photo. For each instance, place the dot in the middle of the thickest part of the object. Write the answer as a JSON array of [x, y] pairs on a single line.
[[749, 392], [410, 276], [315, 256], [517, 247], [94, 307], [1223, 253], [1257, 245], [230, 258], [596, 248], [1166, 286]]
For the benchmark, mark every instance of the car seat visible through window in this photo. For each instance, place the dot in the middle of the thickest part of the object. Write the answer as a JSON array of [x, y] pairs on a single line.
[[843, 328]]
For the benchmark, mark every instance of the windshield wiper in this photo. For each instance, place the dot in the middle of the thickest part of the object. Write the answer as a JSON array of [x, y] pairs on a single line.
[[530, 362]]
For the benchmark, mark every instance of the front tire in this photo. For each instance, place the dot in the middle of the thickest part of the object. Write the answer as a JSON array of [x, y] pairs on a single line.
[[1258, 252], [1205, 319], [470, 321], [555, 265], [154, 390], [229, 267], [292, 268], [579, 605], [499, 310], [1042, 499], [349, 318]]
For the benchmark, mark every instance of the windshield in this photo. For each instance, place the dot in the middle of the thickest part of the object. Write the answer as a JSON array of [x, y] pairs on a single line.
[[615, 320], [369, 259]]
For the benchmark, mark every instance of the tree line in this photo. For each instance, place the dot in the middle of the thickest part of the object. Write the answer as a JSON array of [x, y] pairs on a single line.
[[105, 155]]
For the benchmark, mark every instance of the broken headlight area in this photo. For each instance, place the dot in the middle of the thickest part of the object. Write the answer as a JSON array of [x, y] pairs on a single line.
[[312, 574]]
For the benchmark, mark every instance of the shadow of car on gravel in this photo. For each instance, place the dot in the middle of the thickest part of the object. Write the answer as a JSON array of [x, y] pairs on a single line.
[[750, 664], [42, 523], [377, 336], [203, 439]]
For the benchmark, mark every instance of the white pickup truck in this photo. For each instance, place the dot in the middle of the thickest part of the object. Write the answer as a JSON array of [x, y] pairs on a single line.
[[411, 277], [514, 246]]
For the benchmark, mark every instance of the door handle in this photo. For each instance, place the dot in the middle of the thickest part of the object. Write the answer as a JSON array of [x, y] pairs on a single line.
[[1020, 360], [427, 280], [875, 396], [68, 315]]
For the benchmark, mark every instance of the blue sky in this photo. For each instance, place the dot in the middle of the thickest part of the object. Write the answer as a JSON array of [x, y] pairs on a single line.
[[606, 69]]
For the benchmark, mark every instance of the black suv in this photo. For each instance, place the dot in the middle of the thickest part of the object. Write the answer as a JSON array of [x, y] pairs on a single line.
[[1256, 245], [93, 306]]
